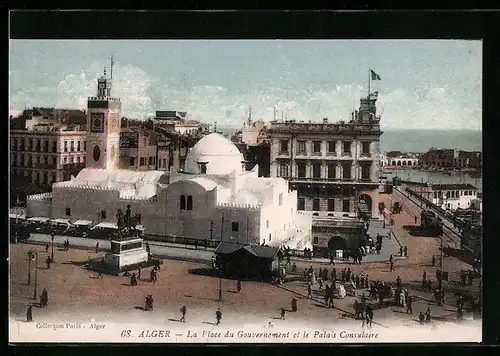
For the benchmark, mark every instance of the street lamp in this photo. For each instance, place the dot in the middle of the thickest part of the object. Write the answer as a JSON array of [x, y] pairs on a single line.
[[211, 231], [52, 235], [31, 255], [36, 274]]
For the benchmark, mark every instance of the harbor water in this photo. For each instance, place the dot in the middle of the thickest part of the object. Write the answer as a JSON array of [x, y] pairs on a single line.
[[433, 177]]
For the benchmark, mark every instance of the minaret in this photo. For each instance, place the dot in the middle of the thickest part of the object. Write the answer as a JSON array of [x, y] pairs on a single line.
[[103, 126]]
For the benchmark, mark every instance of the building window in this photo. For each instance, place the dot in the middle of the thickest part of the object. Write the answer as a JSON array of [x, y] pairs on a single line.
[[189, 205], [267, 224], [316, 170], [45, 178], [84, 159], [141, 161], [283, 170], [331, 170], [68, 212], [103, 214], [234, 226], [301, 147], [280, 199], [365, 148], [346, 148], [78, 148], [38, 148], [65, 160], [132, 161], [46, 159], [85, 145], [331, 147], [183, 202], [346, 205], [435, 195], [346, 171], [315, 240], [331, 204], [301, 204], [316, 147], [30, 144], [301, 169], [65, 146], [54, 146], [46, 146], [54, 177], [150, 161], [283, 146], [365, 172], [71, 160], [72, 145], [316, 204]]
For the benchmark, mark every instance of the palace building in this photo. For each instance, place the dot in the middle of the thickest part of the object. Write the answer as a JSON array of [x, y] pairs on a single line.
[[213, 198], [335, 169]]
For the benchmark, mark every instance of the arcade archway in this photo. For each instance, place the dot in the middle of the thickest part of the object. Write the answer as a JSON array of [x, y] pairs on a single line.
[[337, 243]]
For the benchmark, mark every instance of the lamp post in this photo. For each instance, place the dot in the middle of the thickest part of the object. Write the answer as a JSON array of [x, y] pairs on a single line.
[[30, 257], [220, 264], [211, 231], [52, 235], [36, 275]]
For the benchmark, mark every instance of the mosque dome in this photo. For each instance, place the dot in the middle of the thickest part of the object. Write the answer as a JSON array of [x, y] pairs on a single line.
[[214, 154]]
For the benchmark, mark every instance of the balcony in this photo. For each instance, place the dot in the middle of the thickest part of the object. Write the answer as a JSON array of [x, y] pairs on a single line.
[[45, 165], [331, 153], [346, 153], [73, 166]]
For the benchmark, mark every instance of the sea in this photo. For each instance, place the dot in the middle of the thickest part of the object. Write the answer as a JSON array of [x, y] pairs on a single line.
[[419, 140]]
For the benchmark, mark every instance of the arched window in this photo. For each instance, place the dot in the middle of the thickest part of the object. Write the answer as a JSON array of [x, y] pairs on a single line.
[[393, 163], [183, 202], [189, 202]]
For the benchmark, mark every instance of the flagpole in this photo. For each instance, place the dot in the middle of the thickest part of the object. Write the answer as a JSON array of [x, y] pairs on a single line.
[[369, 79]]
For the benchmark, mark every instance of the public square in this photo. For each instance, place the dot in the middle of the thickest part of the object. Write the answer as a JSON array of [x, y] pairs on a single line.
[[77, 294]]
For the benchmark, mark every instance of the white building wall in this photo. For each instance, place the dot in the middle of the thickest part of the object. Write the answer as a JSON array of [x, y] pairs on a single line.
[[39, 205]]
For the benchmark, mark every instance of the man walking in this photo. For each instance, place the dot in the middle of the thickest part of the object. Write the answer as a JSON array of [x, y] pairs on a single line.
[[183, 312], [47, 247], [408, 305], [424, 279], [309, 290], [238, 286], [416, 219], [282, 314], [218, 315], [97, 247], [405, 251]]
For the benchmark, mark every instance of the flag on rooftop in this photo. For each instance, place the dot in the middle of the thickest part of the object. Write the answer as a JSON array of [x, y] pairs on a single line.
[[375, 76]]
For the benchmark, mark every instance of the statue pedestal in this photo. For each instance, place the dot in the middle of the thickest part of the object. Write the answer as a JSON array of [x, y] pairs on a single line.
[[125, 252]]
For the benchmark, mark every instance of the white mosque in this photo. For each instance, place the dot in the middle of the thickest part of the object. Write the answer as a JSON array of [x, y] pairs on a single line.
[[214, 196]]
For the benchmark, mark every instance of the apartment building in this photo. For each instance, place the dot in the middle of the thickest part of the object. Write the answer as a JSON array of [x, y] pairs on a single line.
[[47, 153], [143, 149]]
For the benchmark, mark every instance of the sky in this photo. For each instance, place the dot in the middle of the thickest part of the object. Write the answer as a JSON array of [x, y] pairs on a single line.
[[425, 84]]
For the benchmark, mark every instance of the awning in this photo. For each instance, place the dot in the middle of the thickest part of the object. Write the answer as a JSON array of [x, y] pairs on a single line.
[[83, 222], [106, 225], [60, 221], [38, 219], [17, 216]]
